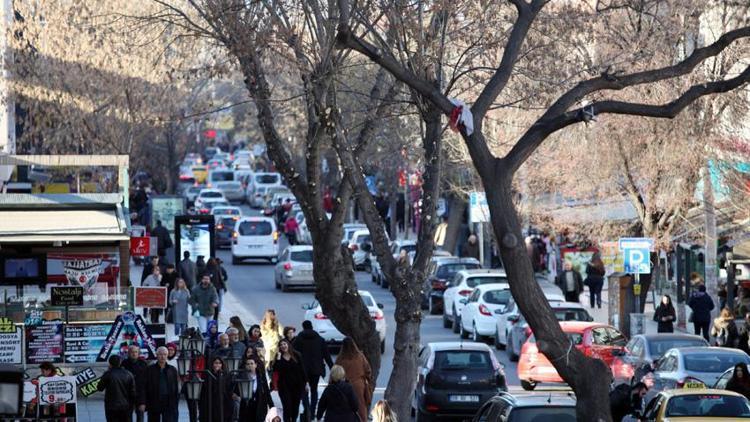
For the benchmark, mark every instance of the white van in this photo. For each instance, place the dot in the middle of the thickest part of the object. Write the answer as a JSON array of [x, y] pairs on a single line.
[[255, 237], [258, 185], [219, 175]]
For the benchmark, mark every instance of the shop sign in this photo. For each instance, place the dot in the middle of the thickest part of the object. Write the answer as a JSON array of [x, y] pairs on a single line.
[[87, 382], [612, 257], [83, 341], [11, 339], [44, 342], [57, 390], [140, 246], [151, 297], [128, 328], [66, 296]]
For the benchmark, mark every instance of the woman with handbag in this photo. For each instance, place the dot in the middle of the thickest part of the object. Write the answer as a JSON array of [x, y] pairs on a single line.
[[178, 310], [358, 373], [338, 402]]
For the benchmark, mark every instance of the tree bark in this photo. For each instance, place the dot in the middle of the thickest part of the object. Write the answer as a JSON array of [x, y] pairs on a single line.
[[456, 207]]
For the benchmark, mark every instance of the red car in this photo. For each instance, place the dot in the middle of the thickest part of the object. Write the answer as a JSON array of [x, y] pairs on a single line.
[[592, 338]]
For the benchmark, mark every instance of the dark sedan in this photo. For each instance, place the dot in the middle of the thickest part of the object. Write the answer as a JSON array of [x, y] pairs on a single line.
[[439, 275], [223, 231]]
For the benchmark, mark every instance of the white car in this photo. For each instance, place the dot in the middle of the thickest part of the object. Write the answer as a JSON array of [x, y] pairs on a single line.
[[295, 268], [257, 185], [397, 246], [255, 237], [349, 229], [303, 232], [510, 315], [208, 193], [461, 287], [219, 212], [215, 176], [332, 336], [233, 191], [209, 204], [479, 313], [357, 247], [191, 193]]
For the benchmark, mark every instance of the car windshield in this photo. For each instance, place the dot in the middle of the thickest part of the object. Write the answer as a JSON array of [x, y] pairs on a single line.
[[368, 301], [462, 360], [477, 281], [576, 338], [362, 238], [302, 256], [571, 314], [226, 176], [211, 195], [255, 228], [712, 362], [713, 405], [229, 185], [266, 178], [497, 297], [658, 347], [543, 414], [447, 271], [227, 221]]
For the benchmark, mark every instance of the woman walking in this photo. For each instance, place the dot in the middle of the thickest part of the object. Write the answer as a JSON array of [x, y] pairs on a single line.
[[740, 381], [216, 394], [236, 322], [271, 332], [255, 408], [338, 402], [254, 335], [725, 330], [178, 299], [290, 378], [382, 412], [358, 373], [664, 315], [595, 280]]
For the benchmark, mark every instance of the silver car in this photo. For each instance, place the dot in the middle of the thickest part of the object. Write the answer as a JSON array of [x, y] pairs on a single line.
[[295, 268], [232, 191], [680, 366]]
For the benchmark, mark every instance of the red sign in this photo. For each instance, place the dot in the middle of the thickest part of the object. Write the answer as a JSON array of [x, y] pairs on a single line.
[[140, 246], [151, 297]]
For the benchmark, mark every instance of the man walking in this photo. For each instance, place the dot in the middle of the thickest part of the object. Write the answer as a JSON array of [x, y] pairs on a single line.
[[137, 367], [315, 357], [187, 270], [163, 240], [204, 298], [570, 282], [159, 394], [238, 347], [119, 392]]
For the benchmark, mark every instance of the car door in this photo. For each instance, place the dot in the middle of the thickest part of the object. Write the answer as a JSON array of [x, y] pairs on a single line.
[[470, 310], [665, 373], [503, 320], [450, 294]]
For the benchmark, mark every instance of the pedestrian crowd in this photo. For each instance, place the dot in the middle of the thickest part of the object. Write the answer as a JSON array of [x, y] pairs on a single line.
[[270, 356]]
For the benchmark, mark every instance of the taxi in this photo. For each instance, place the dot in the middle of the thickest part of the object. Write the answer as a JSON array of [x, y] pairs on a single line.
[[696, 403], [200, 173]]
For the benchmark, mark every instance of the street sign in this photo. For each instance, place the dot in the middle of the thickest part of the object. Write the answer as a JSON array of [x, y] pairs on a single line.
[[66, 296], [636, 254], [151, 297], [479, 210], [140, 246]]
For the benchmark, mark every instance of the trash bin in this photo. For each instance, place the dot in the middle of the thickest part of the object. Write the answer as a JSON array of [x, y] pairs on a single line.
[[637, 324]]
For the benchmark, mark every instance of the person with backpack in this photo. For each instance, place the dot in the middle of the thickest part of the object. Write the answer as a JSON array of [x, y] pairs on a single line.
[[625, 400], [725, 330]]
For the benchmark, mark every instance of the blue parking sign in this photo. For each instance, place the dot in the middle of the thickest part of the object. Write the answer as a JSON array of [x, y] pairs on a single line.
[[636, 254]]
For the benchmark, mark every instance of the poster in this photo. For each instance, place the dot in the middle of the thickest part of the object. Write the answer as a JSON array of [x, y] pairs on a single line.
[[87, 381], [97, 273], [44, 342], [10, 341], [579, 258], [195, 239], [166, 208], [57, 390], [150, 297], [82, 342], [612, 257], [130, 328]]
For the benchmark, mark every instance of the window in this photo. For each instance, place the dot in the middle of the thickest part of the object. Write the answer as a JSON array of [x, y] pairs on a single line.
[[714, 362], [267, 179], [615, 338], [477, 281], [302, 256], [255, 228], [543, 414], [714, 405], [636, 347], [575, 338], [652, 408], [447, 271], [667, 364], [474, 296], [368, 301], [212, 195], [461, 360], [600, 336], [222, 176], [659, 347], [497, 297], [571, 314], [721, 383]]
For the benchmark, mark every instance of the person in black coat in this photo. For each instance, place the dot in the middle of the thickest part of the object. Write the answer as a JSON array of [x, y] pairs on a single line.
[[595, 272], [570, 282], [137, 367], [164, 241], [338, 402], [256, 407], [702, 305], [625, 400], [119, 392], [664, 315], [315, 357], [290, 373], [218, 386], [159, 394]]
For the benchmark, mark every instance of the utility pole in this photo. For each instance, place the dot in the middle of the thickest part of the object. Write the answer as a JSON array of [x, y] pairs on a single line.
[[709, 212], [7, 101]]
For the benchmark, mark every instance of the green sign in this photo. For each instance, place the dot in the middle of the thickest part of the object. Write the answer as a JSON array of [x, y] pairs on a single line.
[[90, 387]]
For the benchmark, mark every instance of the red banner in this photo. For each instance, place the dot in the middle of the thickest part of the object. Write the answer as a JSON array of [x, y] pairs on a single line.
[[151, 297], [140, 246]]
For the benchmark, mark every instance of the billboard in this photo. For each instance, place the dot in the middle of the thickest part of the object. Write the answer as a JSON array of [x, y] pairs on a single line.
[[195, 234]]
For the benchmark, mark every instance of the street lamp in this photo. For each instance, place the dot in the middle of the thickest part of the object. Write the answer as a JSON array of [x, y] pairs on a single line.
[[184, 362], [193, 388], [232, 364], [246, 388]]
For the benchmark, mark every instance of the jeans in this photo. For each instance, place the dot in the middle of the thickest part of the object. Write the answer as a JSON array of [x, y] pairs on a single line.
[[203, 323], [179, 328], [701, 326], [595, 294]]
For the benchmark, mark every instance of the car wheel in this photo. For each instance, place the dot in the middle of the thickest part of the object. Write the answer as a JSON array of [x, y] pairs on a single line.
[[498, 345], [456, 322], [235, 260], [474, 335], [528, 385], [446, 321], [461, 332], [382, 346], [512, 356]]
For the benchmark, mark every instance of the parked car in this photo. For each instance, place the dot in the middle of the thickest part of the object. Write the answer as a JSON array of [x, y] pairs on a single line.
[[255, 237], [520, 330], [505, 407], [257, 186], [332, 336], [208, 204], [360, 245], [232, 191], [373, 266], [478, 315], [350, 229], [680, 366], [192, 193], [208, 193], [591, 338], [440, 273], [461, 287], [455, 379], [697, 405], [643, 350], [223, 230], [229, 211], [295, 268], [511, 315]]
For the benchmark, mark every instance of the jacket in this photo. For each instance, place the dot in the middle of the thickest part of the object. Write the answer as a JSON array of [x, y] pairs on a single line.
[[594, 276], [217, 278], [359, 374], [661, 312], [203, 298], [621, 402], [164, 241], [180, 311], [137, 368], [261, 399], [339, 403], [562, 281], [220, 388], [169, 280], [470, 251], [314, 351], [702, 305], [149, 391], [188, 272], [119, 389], [728, 325]]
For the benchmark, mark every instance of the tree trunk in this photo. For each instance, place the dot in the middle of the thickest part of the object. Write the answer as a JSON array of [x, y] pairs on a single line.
[[709, 212], [456, 207], [589, 378]]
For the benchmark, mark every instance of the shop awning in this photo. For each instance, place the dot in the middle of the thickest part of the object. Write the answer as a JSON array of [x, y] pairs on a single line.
[[50, 225]]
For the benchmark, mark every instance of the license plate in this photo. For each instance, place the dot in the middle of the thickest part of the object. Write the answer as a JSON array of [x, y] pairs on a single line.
[[254, 246], [694, 384], [304, 272], [463, 399]]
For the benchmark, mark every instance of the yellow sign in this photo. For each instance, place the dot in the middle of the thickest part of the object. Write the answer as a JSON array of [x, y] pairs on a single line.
[[636, 289], [7, 325], [612, 257], [694, 384]]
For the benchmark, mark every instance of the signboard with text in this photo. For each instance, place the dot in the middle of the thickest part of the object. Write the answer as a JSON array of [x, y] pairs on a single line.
[[151, 297], [44, 342], [11, 338], [83, 341], [130, 328], [140, 246], [636, 254], [66, 296], [479, 210]]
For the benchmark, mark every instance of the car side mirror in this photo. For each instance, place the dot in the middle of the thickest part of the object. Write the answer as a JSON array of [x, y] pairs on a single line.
[[380, 305], [463, 301]]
